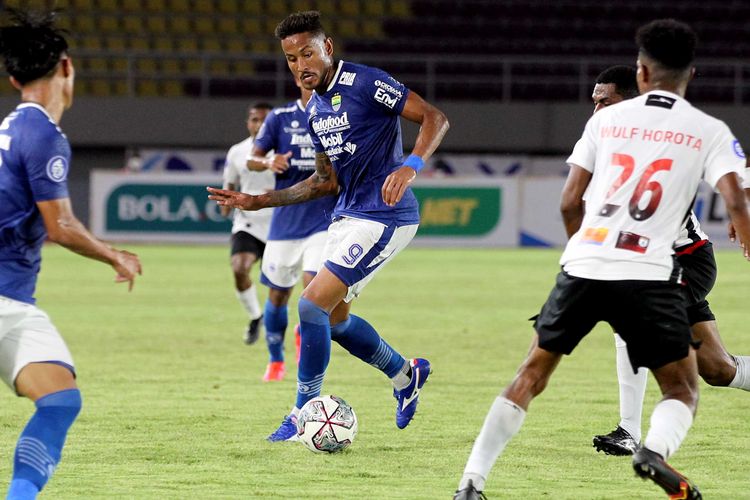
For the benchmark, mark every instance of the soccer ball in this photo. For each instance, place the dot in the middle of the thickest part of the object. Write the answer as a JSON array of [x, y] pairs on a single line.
[[326, 424]]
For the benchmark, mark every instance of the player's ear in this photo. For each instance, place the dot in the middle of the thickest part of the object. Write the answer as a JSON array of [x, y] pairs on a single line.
[[15, 83], [66, 64], [692, 73], [328, 45]]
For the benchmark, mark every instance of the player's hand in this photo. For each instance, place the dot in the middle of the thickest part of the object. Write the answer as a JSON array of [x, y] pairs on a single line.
[[233, 199], [278, 164], [126, 265], [396, 183], [731, 232]]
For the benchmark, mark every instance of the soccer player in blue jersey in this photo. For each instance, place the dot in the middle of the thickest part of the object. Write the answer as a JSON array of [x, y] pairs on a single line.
[[298, 232], [34, 162], [353, 119]]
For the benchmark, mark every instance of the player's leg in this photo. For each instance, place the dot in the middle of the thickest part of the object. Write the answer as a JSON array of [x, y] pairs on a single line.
[[715, 365], [670, 421], [505, 418], [625, 438], [361, 251], [276, 322], [26, 351], [246, 250], [570, 312], [318, 299], [280, 271], [652, 319]]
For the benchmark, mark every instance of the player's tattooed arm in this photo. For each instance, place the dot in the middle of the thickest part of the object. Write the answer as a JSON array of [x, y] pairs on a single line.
[[321, 183]]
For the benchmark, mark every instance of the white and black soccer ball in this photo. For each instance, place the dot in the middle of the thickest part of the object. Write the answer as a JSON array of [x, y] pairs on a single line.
[[326, 424]]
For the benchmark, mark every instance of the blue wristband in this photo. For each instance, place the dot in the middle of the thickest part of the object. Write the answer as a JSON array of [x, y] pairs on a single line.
[[415, 162]]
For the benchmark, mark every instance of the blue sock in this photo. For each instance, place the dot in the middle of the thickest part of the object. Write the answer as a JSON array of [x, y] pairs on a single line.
[[315, 332], [40, 445], [359, 338], [275, 320]]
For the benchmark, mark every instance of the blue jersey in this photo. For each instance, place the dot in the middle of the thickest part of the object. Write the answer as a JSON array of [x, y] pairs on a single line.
[[356, 123], [285, 130], [34, 159]]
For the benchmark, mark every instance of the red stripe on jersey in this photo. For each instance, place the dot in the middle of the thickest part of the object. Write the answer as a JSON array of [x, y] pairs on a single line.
[[690, 248]]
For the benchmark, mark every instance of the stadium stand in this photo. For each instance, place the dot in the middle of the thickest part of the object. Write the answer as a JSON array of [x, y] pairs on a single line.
[[447, 49]]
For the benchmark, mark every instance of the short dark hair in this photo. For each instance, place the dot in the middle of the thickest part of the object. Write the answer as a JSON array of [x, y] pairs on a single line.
[[668, 42], [31, 45], [300, 22], [260, 105], [623, 77]]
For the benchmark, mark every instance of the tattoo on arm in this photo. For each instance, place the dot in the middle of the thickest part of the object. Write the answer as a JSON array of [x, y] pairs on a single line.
[[321, 183]]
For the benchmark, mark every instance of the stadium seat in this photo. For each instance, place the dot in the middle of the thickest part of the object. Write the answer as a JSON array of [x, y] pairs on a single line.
[[235, 45], [107, 5], [132, 24], [147, 88], [156, 6], [254, 7], [227, 25], [187, 45], [171, 66], [179, 25], [115, 43], [172, 88], [210, 44], [163, 44], [243, 68], [108, 24], [156, 24], [146, 67], [179, 6], [132, 5], [203, 25]]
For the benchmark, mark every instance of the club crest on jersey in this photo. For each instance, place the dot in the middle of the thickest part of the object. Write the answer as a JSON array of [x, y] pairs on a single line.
[[57, 168], [336, 101], [737, 147]]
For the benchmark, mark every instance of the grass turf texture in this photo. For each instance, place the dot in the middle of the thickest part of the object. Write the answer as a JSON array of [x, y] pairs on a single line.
[[174, 406]]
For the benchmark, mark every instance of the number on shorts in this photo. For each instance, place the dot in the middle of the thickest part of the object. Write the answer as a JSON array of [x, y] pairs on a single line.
[[355, 252]]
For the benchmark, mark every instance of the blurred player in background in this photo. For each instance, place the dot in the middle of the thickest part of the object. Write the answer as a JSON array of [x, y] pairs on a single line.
[[353, 119], [298, 232], [249, 229], [35, 157], [696, 257], [642, 161]]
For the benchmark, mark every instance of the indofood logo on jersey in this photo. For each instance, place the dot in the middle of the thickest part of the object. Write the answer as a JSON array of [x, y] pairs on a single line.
[[331, 124], [164, 208]]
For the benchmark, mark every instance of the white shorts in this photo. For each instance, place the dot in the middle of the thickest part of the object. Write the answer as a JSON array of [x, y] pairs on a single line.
[[28, 336], [284, 261], [357, 249]]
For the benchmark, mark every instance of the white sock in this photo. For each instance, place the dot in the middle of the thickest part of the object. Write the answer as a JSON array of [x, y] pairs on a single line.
[[632, 390], [741, 379], [402, 379], [670, 422], [502, 423], [249, 300]]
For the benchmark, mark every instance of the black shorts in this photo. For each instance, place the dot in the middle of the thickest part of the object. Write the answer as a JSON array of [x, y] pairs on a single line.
[[699, 276], [649, 315], [243, 242]]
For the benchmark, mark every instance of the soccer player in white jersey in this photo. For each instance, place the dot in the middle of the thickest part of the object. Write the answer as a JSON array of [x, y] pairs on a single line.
[[34, 206], [353, 120], [249, 229], [642, 161], [695, 255]]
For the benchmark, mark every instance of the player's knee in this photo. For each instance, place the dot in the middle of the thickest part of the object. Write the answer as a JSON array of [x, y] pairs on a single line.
[[310, 312]]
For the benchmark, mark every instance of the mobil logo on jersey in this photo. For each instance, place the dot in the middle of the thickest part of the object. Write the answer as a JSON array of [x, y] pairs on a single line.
[[332, 140], [331, 123]]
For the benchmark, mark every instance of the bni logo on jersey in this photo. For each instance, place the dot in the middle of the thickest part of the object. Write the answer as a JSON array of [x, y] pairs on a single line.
[[57, 168], [336, 101]]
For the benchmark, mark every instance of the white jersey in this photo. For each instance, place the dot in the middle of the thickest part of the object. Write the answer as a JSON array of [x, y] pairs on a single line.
[[647, 156], [248, 181]]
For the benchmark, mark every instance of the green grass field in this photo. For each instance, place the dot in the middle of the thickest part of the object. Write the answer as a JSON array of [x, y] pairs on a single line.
[[174, 407]]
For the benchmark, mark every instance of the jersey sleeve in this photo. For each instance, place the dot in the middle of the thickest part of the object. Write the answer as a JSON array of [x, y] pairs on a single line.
[[231, 176], [584, 152], [266, 138], [383, 92], [46, 157], [724, 156], [746, 182]]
